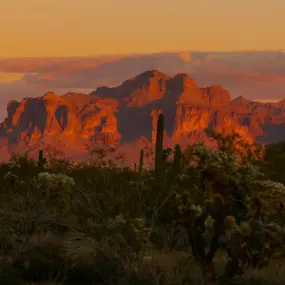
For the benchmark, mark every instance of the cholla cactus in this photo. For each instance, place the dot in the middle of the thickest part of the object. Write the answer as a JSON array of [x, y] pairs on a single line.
[[246, 228], [238, 204], [52, 181], [270, 195], [131, 232], [196, 209], [56, 189], [12, 179], [182, 177], [229, 222]]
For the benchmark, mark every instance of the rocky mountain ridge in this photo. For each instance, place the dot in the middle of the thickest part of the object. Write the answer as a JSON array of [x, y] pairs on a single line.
[[125, 117]]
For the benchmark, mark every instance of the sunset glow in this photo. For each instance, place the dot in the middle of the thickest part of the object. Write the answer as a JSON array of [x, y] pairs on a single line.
[[142, 142], [72, 46], [7, 77], [34, 28]]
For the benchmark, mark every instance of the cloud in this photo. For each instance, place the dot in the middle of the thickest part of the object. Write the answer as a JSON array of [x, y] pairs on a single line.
[[8, 77], [267, 100], [252, 74], [185, 56], [57, 64], [110, 72], [18, 90]]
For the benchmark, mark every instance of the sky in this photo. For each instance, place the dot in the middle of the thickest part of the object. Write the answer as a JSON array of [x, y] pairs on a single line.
[[71, 45], [43, 28]]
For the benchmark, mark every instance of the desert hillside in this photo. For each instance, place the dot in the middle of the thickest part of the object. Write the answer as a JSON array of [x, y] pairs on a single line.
[[125, 117]]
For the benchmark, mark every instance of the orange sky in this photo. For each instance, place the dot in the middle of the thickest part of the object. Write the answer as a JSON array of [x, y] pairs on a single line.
[[34, 28], [9, 77]]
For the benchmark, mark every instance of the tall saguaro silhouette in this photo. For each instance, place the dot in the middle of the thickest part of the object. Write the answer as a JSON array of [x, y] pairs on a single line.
[[159, 167]]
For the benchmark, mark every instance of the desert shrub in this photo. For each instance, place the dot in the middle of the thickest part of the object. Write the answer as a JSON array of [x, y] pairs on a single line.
[[21, 161], [40, 258], [55, 189], [92, 224], [90, 261], [8, 274], [241, 207]]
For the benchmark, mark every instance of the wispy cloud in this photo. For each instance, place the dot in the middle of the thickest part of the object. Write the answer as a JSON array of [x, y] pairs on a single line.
[[256, 75], [185, 56], [8, 77]]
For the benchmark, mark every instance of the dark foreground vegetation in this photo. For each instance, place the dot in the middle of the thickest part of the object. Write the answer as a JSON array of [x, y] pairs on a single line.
[[201, 215]]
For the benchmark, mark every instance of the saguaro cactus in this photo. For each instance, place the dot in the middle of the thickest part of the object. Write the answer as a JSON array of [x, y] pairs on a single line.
[[177, 160], [141, 161], [159, 165], [41, 159]]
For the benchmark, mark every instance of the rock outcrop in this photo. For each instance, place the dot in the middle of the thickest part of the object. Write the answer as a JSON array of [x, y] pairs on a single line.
[[125, 117]]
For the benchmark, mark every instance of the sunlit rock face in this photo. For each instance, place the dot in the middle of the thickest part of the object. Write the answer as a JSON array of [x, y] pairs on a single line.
[[125, 117]]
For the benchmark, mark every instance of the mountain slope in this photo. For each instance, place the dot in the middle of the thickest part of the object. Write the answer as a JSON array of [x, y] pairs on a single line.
[[125, 116]]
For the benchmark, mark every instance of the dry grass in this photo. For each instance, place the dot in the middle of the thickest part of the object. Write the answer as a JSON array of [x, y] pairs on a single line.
[[274, 274], [80, 246]]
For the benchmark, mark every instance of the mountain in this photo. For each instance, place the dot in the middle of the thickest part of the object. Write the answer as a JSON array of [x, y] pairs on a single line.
[[125, 117]]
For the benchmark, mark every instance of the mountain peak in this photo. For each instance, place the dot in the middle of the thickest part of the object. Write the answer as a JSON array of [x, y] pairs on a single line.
[[50, 94], [184, 79], [216, 86], [241, 100], [12, 103], [120, 115], [182, 75], [155, 74]]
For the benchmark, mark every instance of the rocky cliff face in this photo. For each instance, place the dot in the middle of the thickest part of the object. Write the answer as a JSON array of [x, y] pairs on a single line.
[[125, 117]]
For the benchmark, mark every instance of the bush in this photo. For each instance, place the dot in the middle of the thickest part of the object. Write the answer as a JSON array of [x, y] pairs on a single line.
[[220, 215]]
